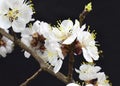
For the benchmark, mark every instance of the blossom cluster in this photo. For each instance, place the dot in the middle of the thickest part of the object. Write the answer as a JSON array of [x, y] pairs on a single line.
[[6, 46], [51, 43], [91, 75]]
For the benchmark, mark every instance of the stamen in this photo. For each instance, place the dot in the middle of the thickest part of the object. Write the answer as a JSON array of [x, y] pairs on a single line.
[[12, 14], [100, 51]]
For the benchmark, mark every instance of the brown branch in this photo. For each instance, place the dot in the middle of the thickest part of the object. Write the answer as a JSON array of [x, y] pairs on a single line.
[[82, 16], [70, 66], [31, 78], [43, 66], [58, 75]]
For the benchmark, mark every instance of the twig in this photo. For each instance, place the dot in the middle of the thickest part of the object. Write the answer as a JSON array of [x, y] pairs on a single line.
[[70, 66], [44, 66], [58, 75], [31, 78], [84, 14]]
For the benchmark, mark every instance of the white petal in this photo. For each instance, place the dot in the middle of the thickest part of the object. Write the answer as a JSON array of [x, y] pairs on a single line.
[[4, 7], [83, 27], [58, 65], [9, 47], [15, 3], [70, 39], [72, 84], [26, 14], [93, 51], [101, 77], [18, 26], [4, 22], [45, 28], [3, 51], [52, 60], [60, 53], [97, 68], [89, 85], [67, 25], [86, 55], [77, 71], [36, 25], [76, 26], [26, 54], [26, 32]]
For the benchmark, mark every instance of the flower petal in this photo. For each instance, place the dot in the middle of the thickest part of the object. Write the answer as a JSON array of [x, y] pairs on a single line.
[[18, 26], [77, 71], [4, 22], [4, 7], [60, 53], [72, 84], [67, 25], [3, 51], [70, 39], [36, 26], [86, 55], [58, 65], [93, 51], [25, 13], [26, 54], [89, 85], [101, 77]]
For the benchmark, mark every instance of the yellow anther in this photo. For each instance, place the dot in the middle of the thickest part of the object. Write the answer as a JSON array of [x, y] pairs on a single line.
[[100, 51], [12, 14]]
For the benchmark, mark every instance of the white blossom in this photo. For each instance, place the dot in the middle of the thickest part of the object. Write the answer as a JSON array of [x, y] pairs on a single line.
[[88, 46], [86, 39], [63, 30], [88, 72], [15, 13], [75, 31], [54, 54], [102, 81], [46, 30], [6, 46], [27, 34]]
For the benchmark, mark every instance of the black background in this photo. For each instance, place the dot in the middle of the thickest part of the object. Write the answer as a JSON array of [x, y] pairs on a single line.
[[15, 68]]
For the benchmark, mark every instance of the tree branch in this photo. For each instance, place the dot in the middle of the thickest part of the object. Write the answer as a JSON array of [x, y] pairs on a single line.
[[43, 66], [31, 78], [70, 66], [58, 75]]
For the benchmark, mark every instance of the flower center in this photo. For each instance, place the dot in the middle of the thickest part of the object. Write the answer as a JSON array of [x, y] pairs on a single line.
[[12, 14], [38, 40]]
